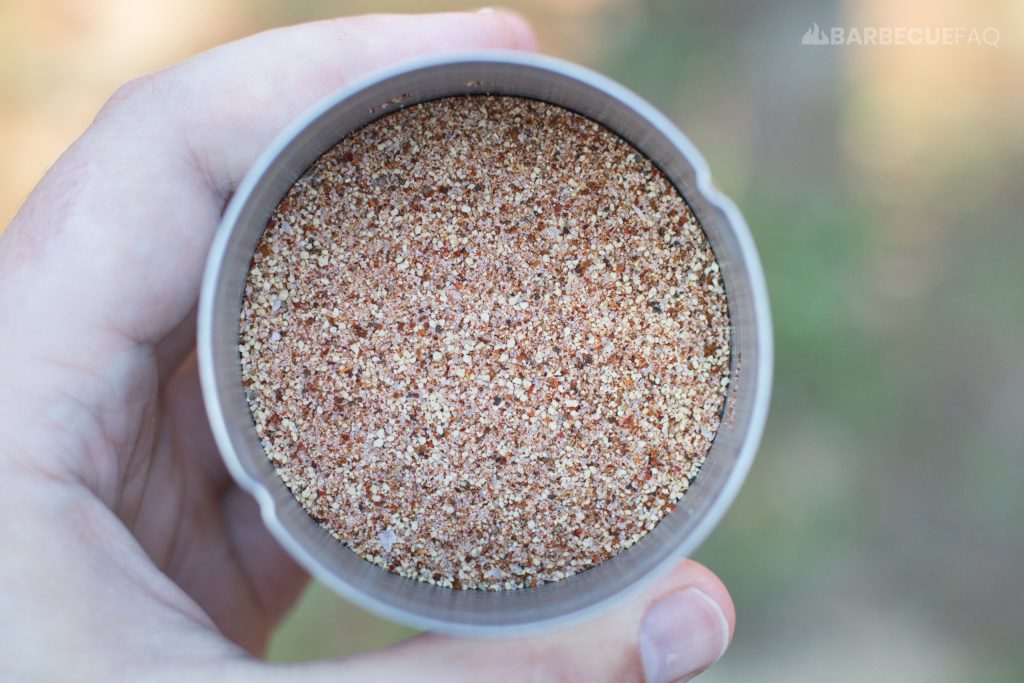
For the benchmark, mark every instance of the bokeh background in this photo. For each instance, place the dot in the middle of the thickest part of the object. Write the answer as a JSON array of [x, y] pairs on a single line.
[[881, 532]]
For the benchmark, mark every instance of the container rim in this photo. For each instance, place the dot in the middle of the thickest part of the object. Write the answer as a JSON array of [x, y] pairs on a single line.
[[704, 186]]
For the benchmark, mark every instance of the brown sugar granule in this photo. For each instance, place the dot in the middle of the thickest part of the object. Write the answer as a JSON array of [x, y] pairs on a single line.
[[485, 343]]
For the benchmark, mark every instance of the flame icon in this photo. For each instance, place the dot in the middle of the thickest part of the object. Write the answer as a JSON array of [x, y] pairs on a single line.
[[814, 36]]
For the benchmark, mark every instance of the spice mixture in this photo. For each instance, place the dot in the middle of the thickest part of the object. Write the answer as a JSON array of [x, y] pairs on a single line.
[[485, 343]]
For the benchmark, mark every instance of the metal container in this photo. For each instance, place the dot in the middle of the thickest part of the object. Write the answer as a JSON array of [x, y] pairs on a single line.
[[474, 612]]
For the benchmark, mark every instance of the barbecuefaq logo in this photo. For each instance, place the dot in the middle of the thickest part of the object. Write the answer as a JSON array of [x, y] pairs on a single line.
[[814, 36], [901, 35]]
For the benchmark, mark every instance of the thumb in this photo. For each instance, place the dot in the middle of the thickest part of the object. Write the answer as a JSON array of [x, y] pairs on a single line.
[[229, 102], [671, 632]]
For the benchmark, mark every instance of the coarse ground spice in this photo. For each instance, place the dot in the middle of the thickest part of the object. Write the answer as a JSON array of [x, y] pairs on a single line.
[[485, 343]]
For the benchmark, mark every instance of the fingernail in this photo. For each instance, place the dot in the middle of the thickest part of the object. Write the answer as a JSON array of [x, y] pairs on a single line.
[[682, 634]]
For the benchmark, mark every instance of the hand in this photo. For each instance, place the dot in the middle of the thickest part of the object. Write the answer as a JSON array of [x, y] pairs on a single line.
[[127, 552]]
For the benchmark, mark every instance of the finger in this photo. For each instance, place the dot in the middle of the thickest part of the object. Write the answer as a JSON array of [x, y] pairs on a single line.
[[190, 425], [173, 351], [672, 632], [274, 575], [222, 556]]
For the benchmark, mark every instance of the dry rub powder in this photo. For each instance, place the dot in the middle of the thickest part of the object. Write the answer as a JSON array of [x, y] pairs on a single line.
[[485, 343]]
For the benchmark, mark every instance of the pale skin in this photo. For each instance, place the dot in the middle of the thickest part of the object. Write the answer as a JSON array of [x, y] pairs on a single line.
[[126, 552]]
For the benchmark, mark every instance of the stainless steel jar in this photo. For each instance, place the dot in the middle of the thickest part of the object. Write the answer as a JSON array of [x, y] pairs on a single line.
[[474, 612]]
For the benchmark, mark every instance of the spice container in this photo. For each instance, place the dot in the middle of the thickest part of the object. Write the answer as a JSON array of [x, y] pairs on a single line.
[[477, 612]]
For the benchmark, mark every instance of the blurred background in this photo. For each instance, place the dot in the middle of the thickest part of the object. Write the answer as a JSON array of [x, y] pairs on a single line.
[[880, 535]]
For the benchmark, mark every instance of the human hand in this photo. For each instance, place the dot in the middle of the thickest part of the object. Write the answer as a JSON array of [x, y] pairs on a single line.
[[128, 553]]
